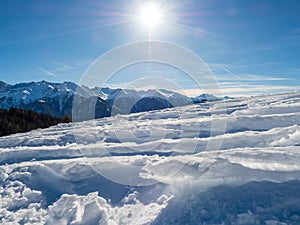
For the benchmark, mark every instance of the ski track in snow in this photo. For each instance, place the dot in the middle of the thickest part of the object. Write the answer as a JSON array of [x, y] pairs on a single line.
[[159, 167]]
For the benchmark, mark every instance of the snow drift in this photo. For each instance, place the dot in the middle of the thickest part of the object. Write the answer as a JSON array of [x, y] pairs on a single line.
[[232, 162]]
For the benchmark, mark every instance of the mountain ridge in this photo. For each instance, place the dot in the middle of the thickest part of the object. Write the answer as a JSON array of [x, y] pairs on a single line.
[[57, 99]]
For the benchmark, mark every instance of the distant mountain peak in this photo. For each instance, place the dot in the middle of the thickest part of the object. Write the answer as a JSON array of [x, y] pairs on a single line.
[[204, 98], [4, 84]]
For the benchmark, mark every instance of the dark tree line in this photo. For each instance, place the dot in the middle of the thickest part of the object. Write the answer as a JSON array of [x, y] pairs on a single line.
[[18, 120]]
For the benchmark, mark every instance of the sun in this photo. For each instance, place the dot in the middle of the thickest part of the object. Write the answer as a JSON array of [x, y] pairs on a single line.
[[151, 16]]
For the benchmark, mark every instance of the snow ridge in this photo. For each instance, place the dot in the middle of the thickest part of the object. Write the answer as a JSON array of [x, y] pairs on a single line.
[[232, 162]]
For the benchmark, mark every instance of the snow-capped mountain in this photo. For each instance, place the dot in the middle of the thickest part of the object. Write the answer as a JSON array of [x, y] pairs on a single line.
[[234, 163], [205, 98], [50, 98], [57, 99]]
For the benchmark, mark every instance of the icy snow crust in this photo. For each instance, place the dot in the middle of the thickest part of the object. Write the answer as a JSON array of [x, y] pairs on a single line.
[[159, 167]]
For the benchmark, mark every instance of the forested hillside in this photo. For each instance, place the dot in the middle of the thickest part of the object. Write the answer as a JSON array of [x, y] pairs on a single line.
[[18, 120]]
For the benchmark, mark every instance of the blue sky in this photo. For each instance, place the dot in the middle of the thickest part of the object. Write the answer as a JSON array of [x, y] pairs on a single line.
[[252, 46]]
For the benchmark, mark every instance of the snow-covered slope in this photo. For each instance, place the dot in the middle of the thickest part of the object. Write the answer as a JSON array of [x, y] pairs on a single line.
[[232, 162]]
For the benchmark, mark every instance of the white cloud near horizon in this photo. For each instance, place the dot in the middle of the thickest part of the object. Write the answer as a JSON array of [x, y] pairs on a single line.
[[240, 90]]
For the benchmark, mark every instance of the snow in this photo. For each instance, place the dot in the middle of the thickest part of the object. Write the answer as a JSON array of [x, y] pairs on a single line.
[[60, 96], [26, 92], [232, 162]]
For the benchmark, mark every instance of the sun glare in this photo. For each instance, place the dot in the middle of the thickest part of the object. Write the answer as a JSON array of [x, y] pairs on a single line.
[[150, 16]]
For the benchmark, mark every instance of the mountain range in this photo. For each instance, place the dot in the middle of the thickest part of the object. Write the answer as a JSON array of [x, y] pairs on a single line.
[[57, 99]]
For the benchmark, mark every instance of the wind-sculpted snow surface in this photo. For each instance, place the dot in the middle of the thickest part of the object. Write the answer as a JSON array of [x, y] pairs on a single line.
[[236, 162]]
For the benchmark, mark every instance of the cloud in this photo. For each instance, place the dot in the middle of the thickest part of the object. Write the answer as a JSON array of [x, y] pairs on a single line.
[[219, 69], [200, 33], [293, 37], [221, 66], [252, 77], [240, 90], [48, 73], [295, 31], [293, 70], [64, 68], [61, 67]]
